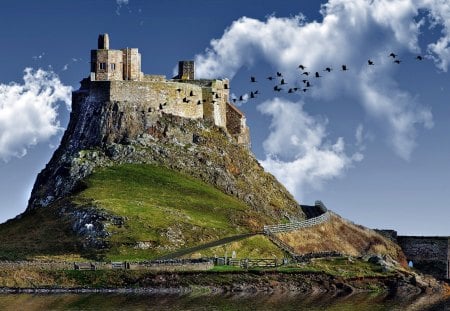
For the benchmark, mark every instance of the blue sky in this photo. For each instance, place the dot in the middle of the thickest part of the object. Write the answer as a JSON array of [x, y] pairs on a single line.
[[371, 142]]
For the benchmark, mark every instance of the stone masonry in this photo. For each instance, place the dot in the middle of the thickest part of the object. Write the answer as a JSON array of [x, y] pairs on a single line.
[[116, 77], [428, 254]]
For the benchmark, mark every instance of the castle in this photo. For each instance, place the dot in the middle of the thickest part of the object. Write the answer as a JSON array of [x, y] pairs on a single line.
[[182, 95]]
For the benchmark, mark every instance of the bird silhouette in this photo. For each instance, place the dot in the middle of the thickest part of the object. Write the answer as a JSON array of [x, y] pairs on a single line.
[[318, 75], [344, 68], [393, 55], [371, 63], [328, 69], [185, 100], [234, 100], [241, 98], [419, 57], [252, 95], [270, 78], [191, 93], [301, 67], [397, 61], [279, 74], [256, 92], [306, 73], [199, 102], [160, 107], [282, 82], [290, 91], [178, 90], [308, 84], [304, 81], [217, 96], [252, 79], [277, 88]]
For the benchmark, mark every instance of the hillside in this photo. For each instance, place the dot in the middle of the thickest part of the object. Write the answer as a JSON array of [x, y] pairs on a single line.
[[138, 211], [343, 236]]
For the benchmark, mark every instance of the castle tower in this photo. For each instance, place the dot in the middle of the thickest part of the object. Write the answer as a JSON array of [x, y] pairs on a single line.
[[114, 65], [186, 70]]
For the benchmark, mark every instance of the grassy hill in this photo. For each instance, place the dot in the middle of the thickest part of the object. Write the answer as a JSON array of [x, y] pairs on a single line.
[[142, 212], [163, 210]]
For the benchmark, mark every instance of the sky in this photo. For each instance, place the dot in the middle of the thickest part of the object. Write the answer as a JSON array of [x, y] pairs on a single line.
[[371, 142]]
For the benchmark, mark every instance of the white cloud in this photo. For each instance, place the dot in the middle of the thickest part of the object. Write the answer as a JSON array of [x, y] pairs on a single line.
[[351, 32], [300, 156], [28, 111]]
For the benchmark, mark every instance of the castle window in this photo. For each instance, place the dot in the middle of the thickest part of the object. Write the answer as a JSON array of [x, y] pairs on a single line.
[[113, 66], [102, 66]]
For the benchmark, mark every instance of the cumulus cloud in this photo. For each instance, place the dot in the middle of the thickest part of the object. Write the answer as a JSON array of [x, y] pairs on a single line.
[[351, 32], [300, 156], [28, 111]]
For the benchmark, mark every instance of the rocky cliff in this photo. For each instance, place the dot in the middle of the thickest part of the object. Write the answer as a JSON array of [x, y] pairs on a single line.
[[102, 133]]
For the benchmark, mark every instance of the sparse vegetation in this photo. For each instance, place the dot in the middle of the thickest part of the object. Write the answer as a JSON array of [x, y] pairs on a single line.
[[342, 236]]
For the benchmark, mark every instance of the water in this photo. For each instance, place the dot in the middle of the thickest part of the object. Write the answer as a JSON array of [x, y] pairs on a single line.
[[200, 302]]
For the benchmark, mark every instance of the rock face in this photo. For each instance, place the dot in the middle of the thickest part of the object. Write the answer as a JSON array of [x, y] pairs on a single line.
[[105, 133]]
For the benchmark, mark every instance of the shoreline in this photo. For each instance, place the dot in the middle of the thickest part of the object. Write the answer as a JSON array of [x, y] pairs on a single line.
[[213, 283]]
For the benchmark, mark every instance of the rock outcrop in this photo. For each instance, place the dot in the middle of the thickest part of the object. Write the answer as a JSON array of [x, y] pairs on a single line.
[[104, 133]]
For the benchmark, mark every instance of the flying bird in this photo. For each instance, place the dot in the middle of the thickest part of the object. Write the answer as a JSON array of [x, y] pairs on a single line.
[[397, 61], [282, 82], [241, 98], [371, 63], [317, 75], [290, 91], [301, 67], [252, 95], [393, 55], [270, 78], [328, 69], [306, 73], [419, 57], [344, 68], [308, 84], [252, 79], [256, 92], [279, 74], [277, 88]]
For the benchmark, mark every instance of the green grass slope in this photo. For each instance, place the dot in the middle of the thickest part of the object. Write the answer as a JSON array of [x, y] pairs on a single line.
[[163, 210]]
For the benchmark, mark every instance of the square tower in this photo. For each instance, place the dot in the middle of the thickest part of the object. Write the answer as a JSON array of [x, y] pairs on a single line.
[[186, 70]]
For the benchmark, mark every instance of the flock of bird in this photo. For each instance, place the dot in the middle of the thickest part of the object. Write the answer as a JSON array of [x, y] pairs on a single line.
[[281, 83]]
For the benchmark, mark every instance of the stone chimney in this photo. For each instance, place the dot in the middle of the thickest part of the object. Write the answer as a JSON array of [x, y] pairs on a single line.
[[103, 41]]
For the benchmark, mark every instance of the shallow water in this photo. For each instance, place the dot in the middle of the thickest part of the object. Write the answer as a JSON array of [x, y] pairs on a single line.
[[200, 302]]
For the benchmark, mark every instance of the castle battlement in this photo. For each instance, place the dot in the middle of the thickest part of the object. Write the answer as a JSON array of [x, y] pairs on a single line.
[[116, 76]]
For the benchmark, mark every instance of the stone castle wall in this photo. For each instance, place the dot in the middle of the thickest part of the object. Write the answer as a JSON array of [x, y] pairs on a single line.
[[179, 99], [428, 254]]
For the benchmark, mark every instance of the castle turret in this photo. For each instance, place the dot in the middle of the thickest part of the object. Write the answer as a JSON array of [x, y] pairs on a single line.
[[186, 70], [114, 65]]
